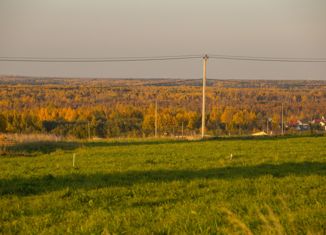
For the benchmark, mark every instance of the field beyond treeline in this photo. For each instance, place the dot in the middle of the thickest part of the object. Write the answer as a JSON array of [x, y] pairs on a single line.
[[222, 186]]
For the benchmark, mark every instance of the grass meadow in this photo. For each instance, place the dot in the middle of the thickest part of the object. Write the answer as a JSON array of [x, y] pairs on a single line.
[[222, 186]]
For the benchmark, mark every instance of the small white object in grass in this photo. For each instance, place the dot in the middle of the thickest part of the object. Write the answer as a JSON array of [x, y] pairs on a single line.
[[73, 160], [193, 212], [231, 156]]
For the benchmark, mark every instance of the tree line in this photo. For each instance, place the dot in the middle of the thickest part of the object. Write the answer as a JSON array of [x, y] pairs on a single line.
[[104, 108]]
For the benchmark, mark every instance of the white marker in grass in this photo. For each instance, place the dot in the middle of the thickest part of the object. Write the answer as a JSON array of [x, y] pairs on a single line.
[[73, 160]]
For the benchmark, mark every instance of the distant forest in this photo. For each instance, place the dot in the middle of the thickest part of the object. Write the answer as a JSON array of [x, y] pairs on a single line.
[[107, 108]]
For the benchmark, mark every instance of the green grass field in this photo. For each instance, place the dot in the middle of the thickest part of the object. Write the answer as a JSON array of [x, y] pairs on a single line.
[[270, 186]]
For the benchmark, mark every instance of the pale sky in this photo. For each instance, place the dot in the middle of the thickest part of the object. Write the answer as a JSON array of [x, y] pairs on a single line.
[[112, 28]]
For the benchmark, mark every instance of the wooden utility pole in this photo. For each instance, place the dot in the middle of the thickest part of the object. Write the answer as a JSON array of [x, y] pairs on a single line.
[[205, 59], [89, 130], [282, 121], [156, 118]]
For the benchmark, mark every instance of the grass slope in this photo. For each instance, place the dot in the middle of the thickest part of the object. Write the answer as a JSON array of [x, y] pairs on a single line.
[[270, 186]]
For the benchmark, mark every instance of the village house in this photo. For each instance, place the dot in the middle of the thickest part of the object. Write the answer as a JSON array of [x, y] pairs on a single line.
[[320, 122]]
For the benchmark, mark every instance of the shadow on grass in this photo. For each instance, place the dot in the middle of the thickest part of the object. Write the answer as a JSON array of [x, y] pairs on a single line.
[[36, 148], [49, 183], [46, 147], [276, 137], [135, 142], [183, 141]]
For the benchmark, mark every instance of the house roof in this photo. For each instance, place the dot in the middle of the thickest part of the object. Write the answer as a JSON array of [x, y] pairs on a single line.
[[261, 133]]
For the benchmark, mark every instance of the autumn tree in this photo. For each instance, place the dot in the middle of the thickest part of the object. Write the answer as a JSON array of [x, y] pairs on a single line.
[[227, 118], [3, 123]]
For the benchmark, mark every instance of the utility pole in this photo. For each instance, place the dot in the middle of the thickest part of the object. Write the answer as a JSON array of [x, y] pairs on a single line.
[[282, 121], [182, 130], [205, 59], [156, 118]]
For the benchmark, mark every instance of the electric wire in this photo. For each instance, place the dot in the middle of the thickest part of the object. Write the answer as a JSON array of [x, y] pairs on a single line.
[[98, 60], [269, 59], [159, 58]]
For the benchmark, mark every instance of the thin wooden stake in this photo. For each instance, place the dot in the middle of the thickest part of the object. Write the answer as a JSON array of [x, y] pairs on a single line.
[[73, 160]]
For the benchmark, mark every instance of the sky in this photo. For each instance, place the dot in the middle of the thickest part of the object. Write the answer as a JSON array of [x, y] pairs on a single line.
[[114, 28]]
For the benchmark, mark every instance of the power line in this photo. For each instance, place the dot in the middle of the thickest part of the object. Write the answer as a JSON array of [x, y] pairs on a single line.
[[269, 59], [159, 58], [98, 60]]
